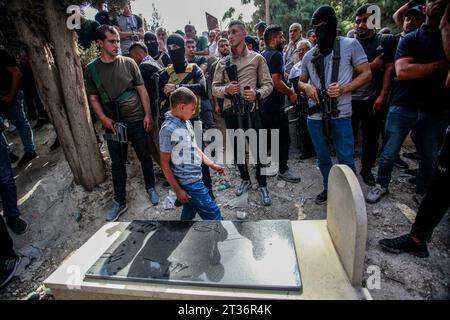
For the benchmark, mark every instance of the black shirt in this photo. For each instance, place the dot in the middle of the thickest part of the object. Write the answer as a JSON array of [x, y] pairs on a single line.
[[424, 45], [163, 59], [6, 61], [275, 101], [102, 17], [87, 33], [150, 70], [373, 47], [199, 60]]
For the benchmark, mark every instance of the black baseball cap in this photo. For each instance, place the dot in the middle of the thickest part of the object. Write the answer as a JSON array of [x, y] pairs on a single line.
[[260, 25], [415, 11]]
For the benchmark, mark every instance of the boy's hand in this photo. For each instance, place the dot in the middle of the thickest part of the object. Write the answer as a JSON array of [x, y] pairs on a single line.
[[219, 169], [182, 196]]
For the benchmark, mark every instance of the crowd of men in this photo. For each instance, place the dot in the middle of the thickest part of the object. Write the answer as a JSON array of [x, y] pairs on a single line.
[[145, 86]]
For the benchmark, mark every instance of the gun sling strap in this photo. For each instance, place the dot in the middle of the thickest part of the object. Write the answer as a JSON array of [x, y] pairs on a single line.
[[184, 78], [105, 97], [321, 70], [228, 64], [101, 89]]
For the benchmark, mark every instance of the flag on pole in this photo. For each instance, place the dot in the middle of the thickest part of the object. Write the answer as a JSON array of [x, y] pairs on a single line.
[[211, 22]]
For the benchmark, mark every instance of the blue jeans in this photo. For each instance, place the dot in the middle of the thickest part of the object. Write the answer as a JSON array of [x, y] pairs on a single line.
[[16, 115], [8, 190], [430, 130], [200, 202], [342, 135]]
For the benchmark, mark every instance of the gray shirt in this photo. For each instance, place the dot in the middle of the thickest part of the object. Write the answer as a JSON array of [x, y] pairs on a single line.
[[177, 138], [126, 24], [352, 55]]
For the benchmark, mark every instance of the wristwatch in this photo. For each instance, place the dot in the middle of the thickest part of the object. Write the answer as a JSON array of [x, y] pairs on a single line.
[[258, 95]]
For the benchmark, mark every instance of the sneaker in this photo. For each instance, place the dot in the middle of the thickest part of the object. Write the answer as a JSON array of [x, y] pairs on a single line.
[[8, 270], [399, 163], [368, 178], [417, 198], [244, 187], [40, 123], [154, 198], [13, 158], [116, 211], [269, 170], [56, 144], [411, 172], [289, 177], [17, 225], [26, 158], [411, 155], [307, 155], [405, 244], [322, 197], [264, 192], [374, 195]]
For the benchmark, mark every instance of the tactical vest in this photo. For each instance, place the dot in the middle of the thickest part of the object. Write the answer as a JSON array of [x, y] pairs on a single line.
[[184, 78]]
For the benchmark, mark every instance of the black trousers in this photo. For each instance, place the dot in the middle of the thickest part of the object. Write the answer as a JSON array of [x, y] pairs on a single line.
[[306, 145], [278, 121], [232, 122], [433, 207], [6, 244], [35, 107], [371, 125], [119, 152]]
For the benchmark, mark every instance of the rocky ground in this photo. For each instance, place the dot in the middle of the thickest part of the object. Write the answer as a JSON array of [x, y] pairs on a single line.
[[63, 216]]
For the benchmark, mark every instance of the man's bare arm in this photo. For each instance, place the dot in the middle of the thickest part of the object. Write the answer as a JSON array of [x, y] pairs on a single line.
[[388, 78], [310, 90], [406, 69], [398, 15], [123, 34], [445, 30], [362, 75], [96, 105], [144, 99]]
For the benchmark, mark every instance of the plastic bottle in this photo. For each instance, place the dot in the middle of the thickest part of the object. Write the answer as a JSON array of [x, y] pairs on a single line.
[[224, 186]]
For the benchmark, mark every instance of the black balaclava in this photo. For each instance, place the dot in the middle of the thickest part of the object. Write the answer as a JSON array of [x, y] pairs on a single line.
[[327, 33], [152, 43], [178, 55]]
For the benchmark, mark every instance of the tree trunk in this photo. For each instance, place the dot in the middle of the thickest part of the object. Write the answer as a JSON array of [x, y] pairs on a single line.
[[59, 76]]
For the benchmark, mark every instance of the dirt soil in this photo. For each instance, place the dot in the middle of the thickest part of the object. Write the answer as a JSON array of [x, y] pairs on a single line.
[[63, 216]]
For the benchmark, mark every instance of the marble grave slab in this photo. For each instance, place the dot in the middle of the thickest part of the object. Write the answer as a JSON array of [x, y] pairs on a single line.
[[238, 254]]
